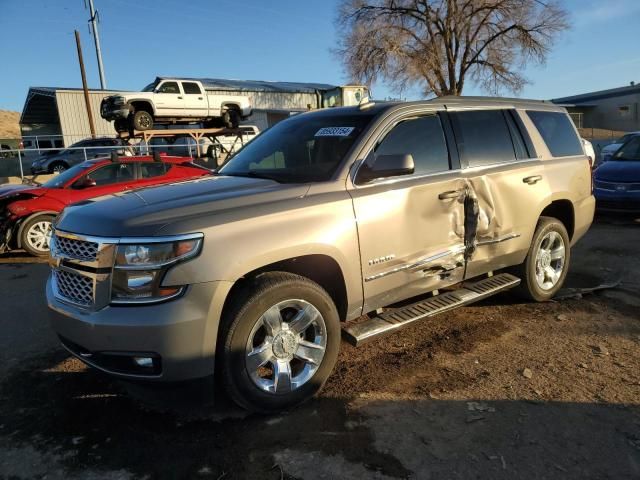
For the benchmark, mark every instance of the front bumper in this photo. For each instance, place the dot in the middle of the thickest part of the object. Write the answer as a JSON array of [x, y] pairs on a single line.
[[617, 201], [180, 334], [115, 114]]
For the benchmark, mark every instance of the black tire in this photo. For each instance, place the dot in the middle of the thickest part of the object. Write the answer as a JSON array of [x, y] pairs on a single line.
[[58, 167], [141, 120], [530, 288], [231, 118], [27, 240], [247, 308]]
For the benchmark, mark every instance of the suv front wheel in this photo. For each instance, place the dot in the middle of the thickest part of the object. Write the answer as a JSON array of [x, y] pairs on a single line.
[[280, 343], [545, 268]]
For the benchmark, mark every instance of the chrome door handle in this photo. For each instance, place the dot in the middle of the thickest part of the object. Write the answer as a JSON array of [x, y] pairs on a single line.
[[448, 195], [532, 180]]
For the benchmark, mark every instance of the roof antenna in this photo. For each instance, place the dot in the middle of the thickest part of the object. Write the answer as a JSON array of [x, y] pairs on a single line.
[[114, 156], [156, 156]]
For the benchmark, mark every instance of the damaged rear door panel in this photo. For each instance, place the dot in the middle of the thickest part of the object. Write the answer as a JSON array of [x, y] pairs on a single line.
[[505, 187]]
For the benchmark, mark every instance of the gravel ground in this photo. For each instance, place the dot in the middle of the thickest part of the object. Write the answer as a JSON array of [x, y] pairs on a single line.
[[499, 390]]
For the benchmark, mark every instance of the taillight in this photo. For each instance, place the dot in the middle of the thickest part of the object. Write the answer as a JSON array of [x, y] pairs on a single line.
[[591, 170]]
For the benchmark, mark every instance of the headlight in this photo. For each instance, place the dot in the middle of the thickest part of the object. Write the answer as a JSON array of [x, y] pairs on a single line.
[[141, 267]]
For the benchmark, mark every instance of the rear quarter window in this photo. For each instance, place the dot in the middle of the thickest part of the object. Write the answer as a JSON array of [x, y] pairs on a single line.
[[558, 133]]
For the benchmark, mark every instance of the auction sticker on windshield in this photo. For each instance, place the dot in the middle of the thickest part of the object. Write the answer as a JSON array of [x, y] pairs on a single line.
[[334, 132]]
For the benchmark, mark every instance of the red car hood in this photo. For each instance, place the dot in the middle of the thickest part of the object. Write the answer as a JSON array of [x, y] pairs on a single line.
[[8, 190]]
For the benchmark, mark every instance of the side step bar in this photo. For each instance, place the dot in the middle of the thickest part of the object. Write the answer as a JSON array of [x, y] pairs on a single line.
[[395, 319]]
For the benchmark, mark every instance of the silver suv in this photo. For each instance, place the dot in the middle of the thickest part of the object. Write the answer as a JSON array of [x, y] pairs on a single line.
[[312, 231]]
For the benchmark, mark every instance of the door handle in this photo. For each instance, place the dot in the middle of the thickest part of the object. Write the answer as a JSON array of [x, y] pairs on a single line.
[[199, 98], [532, 180], [179, 97], [448, 195]]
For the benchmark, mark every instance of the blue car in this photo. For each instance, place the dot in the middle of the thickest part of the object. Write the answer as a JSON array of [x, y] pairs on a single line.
[[617, 182]]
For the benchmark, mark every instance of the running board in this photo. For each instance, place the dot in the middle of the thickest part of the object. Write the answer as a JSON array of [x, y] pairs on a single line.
[[395, 319]]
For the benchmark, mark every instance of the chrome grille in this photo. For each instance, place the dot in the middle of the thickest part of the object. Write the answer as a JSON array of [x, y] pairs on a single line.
[[74, 287], [79, 249]]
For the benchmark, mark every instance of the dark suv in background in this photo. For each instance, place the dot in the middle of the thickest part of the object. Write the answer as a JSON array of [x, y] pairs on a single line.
[[77, 153]]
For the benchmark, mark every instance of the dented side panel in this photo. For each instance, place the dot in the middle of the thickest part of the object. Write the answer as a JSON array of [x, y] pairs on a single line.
[[409, 237]]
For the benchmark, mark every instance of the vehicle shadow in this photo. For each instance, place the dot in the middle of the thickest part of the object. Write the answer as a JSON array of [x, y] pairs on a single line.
[[53, 404]]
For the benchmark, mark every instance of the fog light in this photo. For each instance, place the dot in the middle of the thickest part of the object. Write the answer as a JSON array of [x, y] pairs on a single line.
[[144, 362]]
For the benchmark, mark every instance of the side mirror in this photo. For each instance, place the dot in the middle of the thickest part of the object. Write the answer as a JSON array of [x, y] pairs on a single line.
[[85, 183], [385, 166]]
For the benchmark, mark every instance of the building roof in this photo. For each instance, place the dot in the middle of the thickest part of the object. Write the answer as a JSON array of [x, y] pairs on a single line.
[[257, 85], [599, 95]]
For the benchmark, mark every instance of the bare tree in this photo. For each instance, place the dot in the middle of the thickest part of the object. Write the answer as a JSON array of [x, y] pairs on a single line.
[[439, 44]]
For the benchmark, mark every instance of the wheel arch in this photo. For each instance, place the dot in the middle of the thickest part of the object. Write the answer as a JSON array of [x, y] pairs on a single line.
[[140, 104], [320, 268], [563, 210]]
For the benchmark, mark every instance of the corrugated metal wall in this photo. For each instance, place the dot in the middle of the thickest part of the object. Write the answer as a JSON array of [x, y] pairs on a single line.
[[275, 100], [74, 123]]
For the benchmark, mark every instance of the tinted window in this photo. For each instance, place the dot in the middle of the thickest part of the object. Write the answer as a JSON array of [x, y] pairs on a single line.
[[483, 137], [423, 139], [153, 169], [114, 173], [169, 87], [191, 88], [557, 132]]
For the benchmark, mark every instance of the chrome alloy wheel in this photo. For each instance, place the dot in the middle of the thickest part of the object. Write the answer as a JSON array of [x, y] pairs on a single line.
[[550, 260], [57, 169], [39, 236], [286, 346]]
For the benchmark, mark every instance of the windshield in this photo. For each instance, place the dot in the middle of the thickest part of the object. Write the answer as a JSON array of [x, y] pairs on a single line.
[[629, 151], [60, 180], [304, 148], [150, 87]]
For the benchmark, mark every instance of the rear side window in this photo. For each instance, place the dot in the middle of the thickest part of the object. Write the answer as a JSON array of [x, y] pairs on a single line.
[[483, 137], [423, 139], [557, 132], [153, 169], [191, 88], [113, 173]]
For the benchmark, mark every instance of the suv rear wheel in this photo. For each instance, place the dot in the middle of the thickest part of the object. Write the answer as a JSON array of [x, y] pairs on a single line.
[[545, 268], [281, 342], [36, 235]]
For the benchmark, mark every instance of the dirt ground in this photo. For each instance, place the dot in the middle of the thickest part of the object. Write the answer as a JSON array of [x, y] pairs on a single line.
[[499, 390]]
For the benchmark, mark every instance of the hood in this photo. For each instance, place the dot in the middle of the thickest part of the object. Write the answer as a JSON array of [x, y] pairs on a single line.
[[9, 189], [626, 171], [144, 212]]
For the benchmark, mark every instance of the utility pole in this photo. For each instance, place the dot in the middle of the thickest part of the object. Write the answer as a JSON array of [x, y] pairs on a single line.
[[96, 39], [84, 86]]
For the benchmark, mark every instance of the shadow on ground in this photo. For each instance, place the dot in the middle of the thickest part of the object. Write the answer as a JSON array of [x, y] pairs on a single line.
[[54, 405]]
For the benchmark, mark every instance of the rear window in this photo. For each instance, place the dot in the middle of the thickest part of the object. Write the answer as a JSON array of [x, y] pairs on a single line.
[[483, 137], [557, 132]]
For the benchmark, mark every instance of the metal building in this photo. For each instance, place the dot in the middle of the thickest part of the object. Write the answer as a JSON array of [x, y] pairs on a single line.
[[614, 109], [54, 114], [60, 113]]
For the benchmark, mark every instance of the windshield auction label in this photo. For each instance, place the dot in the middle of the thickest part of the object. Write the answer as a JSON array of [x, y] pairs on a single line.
[[334, 132]]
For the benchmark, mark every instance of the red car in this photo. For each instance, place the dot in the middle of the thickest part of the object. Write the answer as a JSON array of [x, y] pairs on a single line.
[[27, 212]]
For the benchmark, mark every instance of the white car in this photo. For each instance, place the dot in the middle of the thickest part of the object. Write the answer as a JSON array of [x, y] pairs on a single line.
[[609, 150], [169, 100]]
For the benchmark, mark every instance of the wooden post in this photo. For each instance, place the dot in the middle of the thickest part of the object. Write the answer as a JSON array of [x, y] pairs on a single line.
[[84, 86]]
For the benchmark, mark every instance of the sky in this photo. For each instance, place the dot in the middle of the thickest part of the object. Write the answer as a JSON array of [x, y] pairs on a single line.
[[288, 40]]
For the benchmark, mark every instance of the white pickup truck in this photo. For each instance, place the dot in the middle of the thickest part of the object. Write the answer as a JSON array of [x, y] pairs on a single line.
[[169, 100]]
